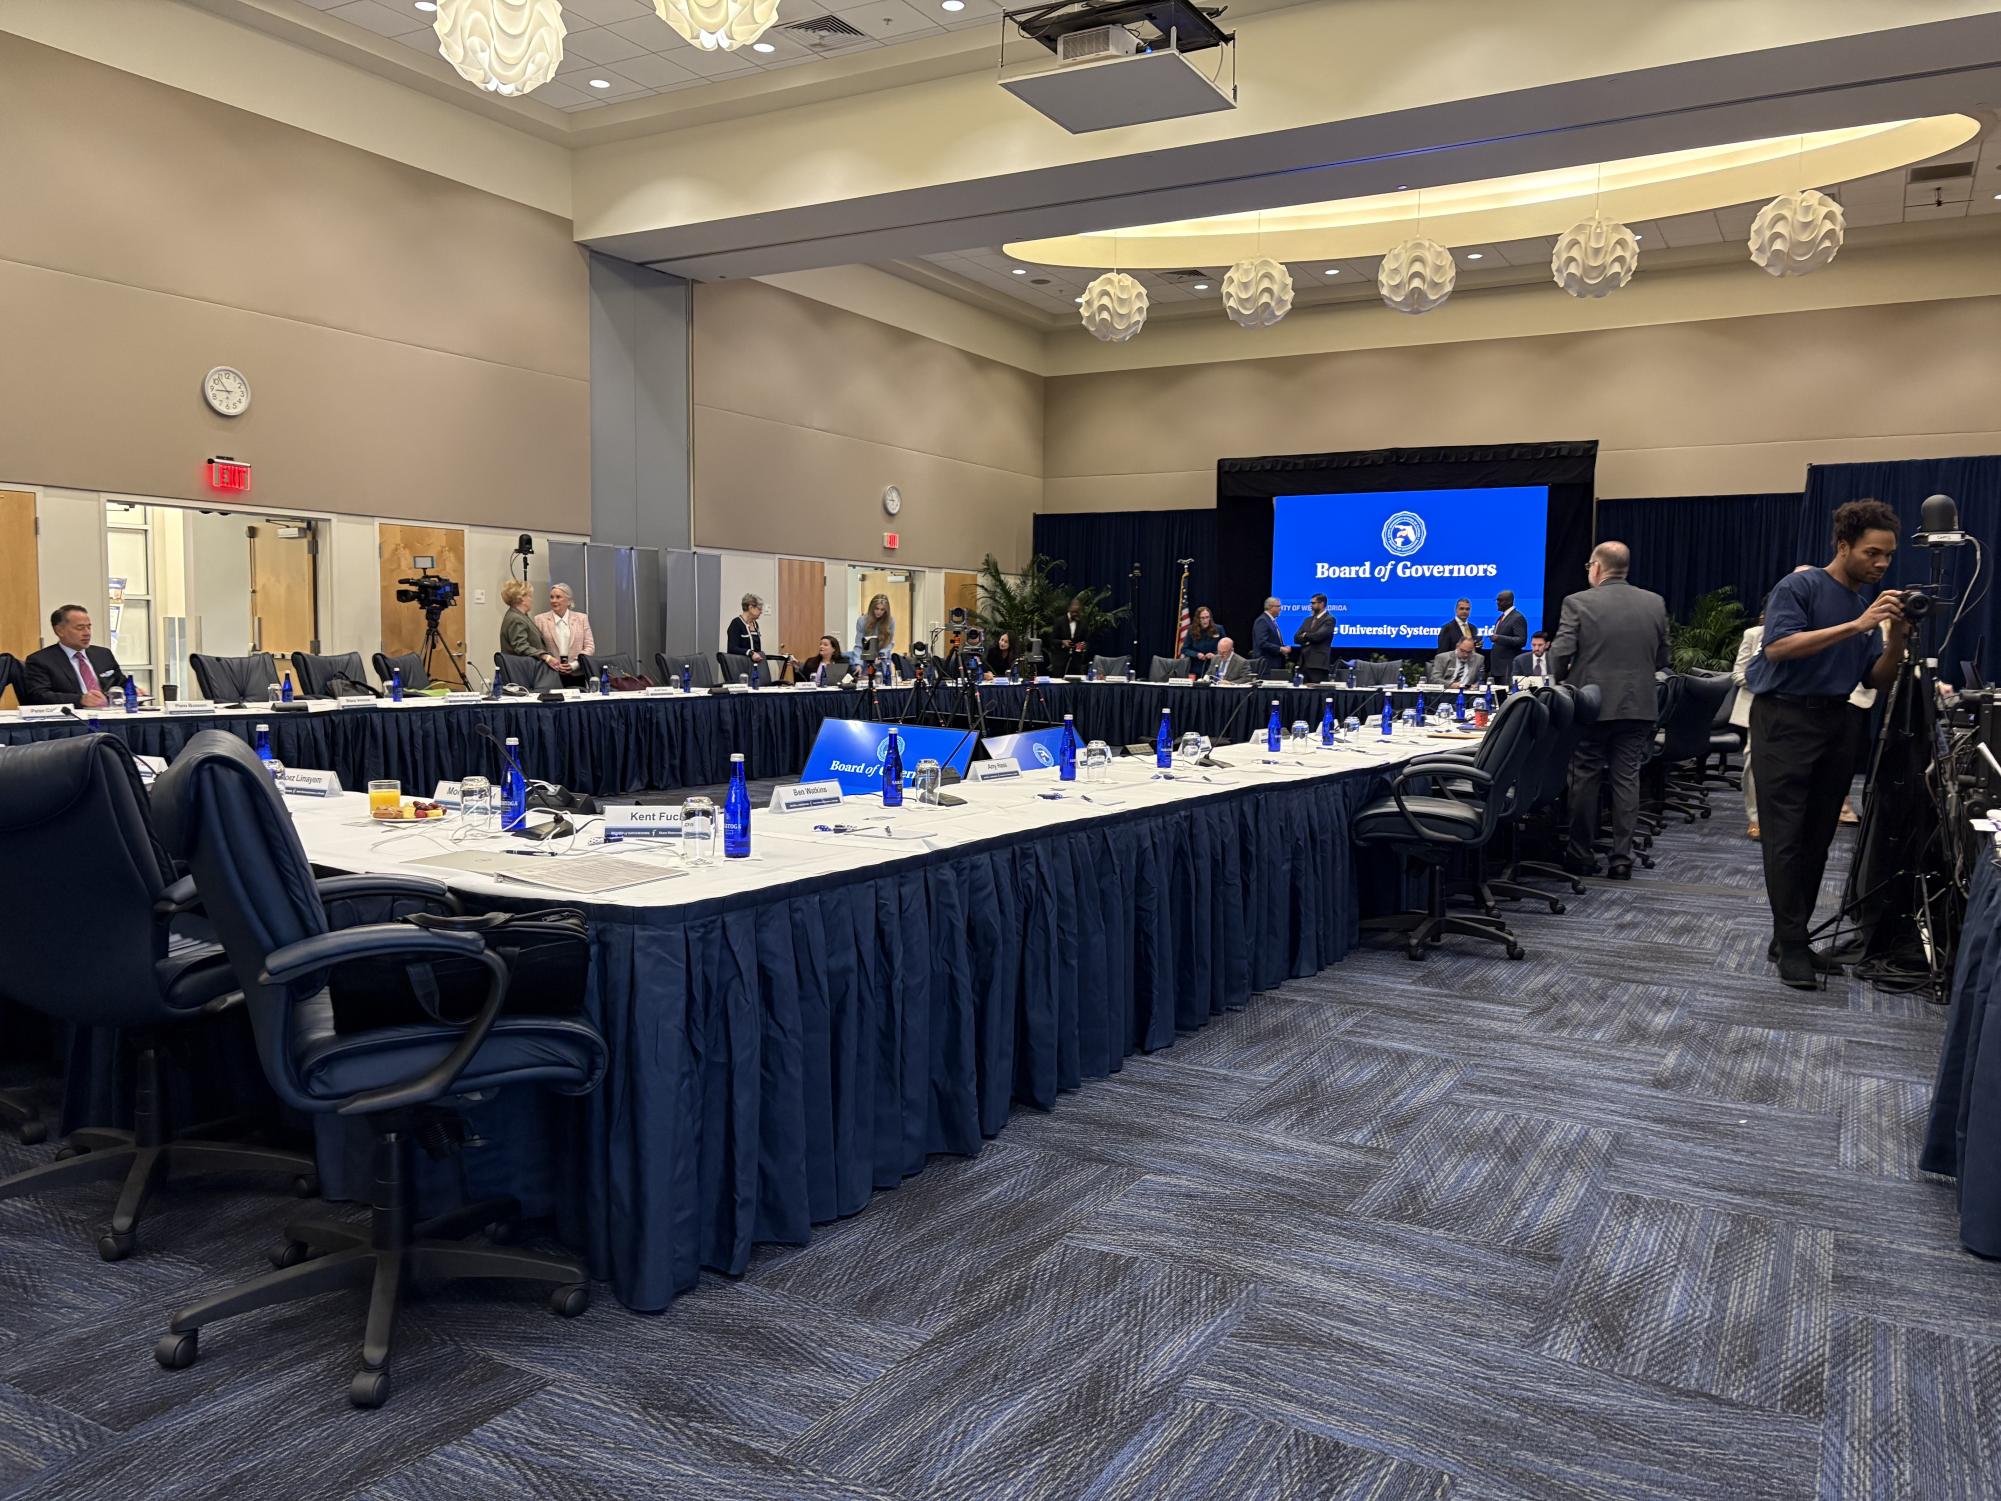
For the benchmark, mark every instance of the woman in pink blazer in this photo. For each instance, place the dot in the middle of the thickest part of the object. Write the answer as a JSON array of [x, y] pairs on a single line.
[[567, 631]]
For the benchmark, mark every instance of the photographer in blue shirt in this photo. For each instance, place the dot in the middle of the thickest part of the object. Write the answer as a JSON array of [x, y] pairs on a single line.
[[1827, 631]]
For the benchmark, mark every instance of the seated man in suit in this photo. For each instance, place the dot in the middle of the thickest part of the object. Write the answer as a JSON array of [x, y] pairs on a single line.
[[1226, 666], [1459, 628], [1462, 667], [72, 671], [1534, 663], [1267, 643]]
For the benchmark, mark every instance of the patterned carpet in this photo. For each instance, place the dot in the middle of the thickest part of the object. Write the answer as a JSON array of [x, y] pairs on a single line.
[[1627, 1220]]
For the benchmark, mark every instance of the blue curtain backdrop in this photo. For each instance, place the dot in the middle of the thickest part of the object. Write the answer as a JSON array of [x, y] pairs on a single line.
[[1100, 548], [1683, 548]]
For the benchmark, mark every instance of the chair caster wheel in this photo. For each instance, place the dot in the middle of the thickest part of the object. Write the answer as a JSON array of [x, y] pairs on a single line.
[[114, 1246], [1414, 952], [176, 1352], [1555, 908], [1515, 951], [503, 1232], [66, 1151], [33, 1134], [569, 1300], [287, 1253], [306, 1186], [369, 1388], [1577, 888]]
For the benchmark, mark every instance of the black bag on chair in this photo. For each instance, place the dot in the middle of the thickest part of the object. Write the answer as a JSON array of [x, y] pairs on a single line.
[[548, 954]]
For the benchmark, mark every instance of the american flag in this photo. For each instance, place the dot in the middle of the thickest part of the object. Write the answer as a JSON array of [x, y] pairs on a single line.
[[1181, 614]]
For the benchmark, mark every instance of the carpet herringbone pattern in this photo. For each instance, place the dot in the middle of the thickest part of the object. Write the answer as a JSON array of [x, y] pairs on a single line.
[[1625, 1222]]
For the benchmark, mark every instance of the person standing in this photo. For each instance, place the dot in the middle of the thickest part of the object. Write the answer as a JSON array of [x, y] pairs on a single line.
[[567, 630], [1510, 634], [1199, 649], [1740, 715], [875, 630], [1615, 636], [1828, 631], [1070, 643], [1459, 628], [1315, 638], [1267, 643]]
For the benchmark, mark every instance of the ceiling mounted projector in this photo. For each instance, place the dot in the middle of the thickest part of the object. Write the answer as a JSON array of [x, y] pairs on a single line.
[[1121, 62]]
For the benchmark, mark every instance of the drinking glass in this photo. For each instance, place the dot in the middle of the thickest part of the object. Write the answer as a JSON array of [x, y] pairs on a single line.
[[1299, 736], [1097, 761], [1203, 746], [1191, 746], [926, 780], [384, 798], [273, 693], [476, 805], [698, 831]]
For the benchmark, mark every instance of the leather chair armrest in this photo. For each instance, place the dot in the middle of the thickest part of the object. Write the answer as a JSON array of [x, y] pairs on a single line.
[[1418, 770], [334, 888], [178, 900]]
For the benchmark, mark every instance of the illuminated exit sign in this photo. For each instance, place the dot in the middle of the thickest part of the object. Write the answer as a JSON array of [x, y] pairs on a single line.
[[889, 541], [228, 476]]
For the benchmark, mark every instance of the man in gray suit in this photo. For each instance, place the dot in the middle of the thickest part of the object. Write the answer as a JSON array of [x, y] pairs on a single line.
[[1615, 636], [1461, 667], [1510, 633], [1226, 666]]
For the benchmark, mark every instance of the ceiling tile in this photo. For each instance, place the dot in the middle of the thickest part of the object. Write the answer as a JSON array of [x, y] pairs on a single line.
[[621, 86], [1920, 213], [655, 71], [650, 32], [600, 46], [1690, 229], [420, 41], [1925, 194], [890, 20], [559, 95], [704, 63], [578, 109], [606, 12], [383, 20]]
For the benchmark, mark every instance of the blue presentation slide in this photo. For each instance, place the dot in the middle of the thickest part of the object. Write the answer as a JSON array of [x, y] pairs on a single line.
[[1393, 564], [1031, 750], [851, 752]]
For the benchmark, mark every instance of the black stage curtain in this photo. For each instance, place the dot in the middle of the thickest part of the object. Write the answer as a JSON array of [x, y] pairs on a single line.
[[1685, 547], [1245, 487], [1099, 549]]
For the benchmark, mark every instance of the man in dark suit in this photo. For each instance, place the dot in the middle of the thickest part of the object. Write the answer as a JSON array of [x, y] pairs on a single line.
[[1267, 644], [72, 671], [1070, 643], [1615, 636], [1534, 663], [1510, 633], [1314, 638], [1459, 628]]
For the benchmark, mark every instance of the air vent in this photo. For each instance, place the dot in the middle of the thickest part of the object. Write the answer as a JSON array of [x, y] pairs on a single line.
[[824, 31], [1185, 276], [1941, 172]]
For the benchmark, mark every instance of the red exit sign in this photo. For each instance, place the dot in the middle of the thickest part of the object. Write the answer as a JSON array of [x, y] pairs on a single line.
[[228, 476], [889, 541]]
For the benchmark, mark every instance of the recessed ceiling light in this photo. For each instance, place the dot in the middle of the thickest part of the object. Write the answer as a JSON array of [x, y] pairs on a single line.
[[1201, 286], [427, 5], [1475, 256], [1639, 237], [951, 4], [1021, 270], [600, 83], [1076, 299], [1331, 271], [1403, 187], [762, 47]]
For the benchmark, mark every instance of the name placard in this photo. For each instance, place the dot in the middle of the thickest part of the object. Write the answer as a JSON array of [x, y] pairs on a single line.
[[446, 795], [462, 696], [299, 782], [191, 706], [657, 691], [149, 767], [624, 821], [356, 701], [738, 687], [994, 771], [48, 711], [802, 795]]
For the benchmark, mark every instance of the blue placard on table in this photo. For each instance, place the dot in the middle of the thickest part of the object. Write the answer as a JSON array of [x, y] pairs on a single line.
[[851, 751], [1031, 750]]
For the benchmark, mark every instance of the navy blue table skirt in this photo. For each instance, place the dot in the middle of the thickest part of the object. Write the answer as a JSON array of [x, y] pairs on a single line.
[[777, 1058], [1963, 1134]]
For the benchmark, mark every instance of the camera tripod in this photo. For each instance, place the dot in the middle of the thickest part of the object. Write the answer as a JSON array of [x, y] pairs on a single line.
[[434, 642]]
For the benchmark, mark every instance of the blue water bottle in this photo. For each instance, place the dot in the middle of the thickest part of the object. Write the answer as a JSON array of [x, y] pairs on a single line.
[[1351, 672], [264, 742], [604, 681], [93, 723], [1297, 677], [131, 696], [396, 685], [892, 773], [736, 813], [1091, 673], [1066, 753], [513, 791], [1459, 707], [1389, 716], [753, 672], [1327, 723], [1273, 728], [1488, 705], [1420, 708], [285, 690], [1163, 743]]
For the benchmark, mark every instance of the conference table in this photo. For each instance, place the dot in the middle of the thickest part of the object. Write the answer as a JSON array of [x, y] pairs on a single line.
[[633, 742], [791, 1032]]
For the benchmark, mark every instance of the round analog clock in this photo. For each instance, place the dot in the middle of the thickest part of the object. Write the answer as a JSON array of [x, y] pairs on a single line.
[[225, 390], [892, 500]]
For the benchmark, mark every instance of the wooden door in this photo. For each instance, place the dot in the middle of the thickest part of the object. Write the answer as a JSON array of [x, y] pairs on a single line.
[[962, 592], [403, 624], [802, 606], [20, 577], [283, 589], [895, 582]]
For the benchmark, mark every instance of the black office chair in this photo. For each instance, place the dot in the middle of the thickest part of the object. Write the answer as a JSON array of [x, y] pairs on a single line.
[[335, 676], [1725, 740], [1163, 669], [531, 673], [409, 663], [734, 668], [701, 671], [97, 949], [1571, 710], [1438, 810], [220, 812], [234, 680], [622, 665], [1547, 770], [12, 675], [1112, 667], [1682, 745]]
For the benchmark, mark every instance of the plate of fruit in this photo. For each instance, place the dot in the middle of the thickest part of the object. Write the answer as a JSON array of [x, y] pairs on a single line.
[[411, 810]]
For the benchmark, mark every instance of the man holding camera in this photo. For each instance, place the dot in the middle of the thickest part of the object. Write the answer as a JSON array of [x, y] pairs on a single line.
[[1827, 630]]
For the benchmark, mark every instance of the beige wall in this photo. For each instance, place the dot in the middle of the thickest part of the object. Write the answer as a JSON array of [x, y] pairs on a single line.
[[803, 412], [414, 346], [1715, 407]]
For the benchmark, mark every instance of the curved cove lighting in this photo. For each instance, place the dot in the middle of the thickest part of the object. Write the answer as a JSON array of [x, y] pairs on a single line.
[[719, 24], [509, 47], [1529, 206]]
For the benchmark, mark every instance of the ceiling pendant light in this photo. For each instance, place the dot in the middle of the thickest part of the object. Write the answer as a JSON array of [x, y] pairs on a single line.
[[724, 24], [1257, 292], [1595, 257], [1417, 276], [1114, 307], [1797, 232], [509, 47]]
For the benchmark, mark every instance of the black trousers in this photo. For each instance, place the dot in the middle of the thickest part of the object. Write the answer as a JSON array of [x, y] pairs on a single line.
[[1806, 757], [1616, 746]]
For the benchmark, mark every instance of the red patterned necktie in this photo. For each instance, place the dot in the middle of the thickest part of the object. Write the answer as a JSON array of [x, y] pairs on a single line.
[[83, 671]]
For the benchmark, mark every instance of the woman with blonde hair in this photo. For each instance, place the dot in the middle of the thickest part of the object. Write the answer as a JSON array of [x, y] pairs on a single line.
[[519, 635], [875, 628]]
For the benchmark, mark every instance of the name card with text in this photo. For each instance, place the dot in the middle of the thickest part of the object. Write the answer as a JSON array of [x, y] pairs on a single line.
[[462, 697], [446, 795], [191, 706], [994, 771], [657, 691], [150, 767], [357, 701], [32, 712], [802, 795], [296, 781], [624, 821]]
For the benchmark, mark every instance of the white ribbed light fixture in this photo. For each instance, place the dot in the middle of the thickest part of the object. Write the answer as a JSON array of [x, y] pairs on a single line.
[[719, 24], [1257, 292], [1797, 232], [1417, 276], [1595, 257], [507, 47], [1114, 307]]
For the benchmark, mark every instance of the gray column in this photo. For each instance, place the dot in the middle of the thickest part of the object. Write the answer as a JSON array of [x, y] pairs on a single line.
[[639, 406]]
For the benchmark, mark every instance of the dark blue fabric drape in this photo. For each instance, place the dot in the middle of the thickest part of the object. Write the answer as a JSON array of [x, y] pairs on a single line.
[[1963, 1133], [1100, 549], [1685, 547]]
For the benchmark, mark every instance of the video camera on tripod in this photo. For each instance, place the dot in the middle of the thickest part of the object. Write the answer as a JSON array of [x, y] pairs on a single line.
[[432, 592]]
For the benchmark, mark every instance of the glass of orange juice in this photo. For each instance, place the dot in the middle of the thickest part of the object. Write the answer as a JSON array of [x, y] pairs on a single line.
[[384, 799]]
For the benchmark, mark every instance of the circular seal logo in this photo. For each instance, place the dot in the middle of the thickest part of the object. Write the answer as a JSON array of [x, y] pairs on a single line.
[[882, 749], [1042, 755], [1403, 533]]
